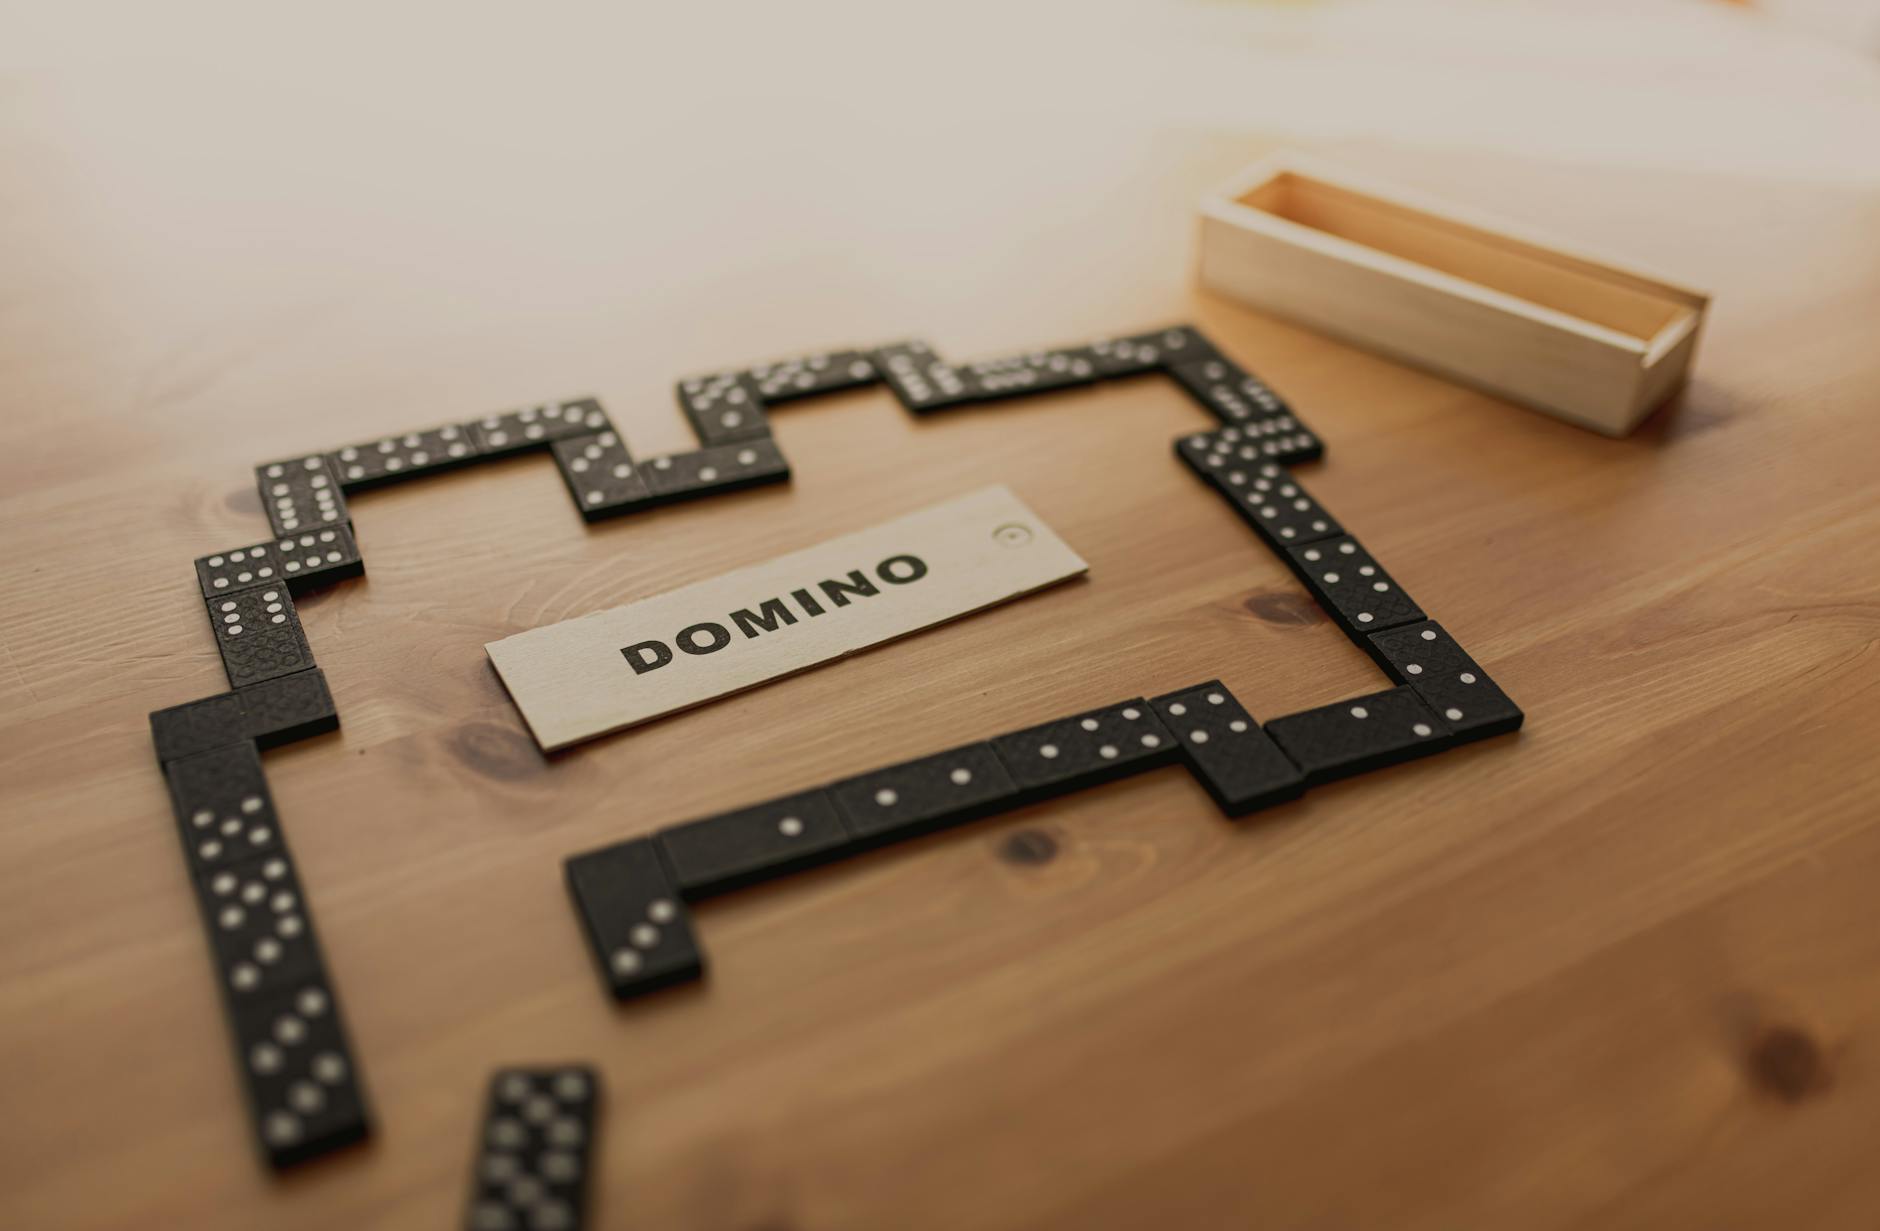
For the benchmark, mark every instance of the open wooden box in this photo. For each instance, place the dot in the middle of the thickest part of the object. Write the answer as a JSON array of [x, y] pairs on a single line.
[[1516, 314]]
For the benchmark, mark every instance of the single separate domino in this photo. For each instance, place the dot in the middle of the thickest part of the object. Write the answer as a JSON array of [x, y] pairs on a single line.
[[921, 379], [1353, 588], [223, 807], [405, 456], [1069, 754], [1364, 733], [288, 708], [719, 853], [304, 561], [707, 472], [635, 920], [300, 493], [723, 408], [533, 1148], [810, 375], [601, 475], [1226, 751], [259, 635], [272, 713], [1266, 496], [1034, 372], [297, 1067], [535, 427], [1427, 658], [925, 794]]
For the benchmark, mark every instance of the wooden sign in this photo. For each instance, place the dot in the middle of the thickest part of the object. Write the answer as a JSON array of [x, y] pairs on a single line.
[[612, 669]]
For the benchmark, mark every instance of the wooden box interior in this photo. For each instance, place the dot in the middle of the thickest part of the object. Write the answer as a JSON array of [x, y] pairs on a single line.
[[1657, 316]]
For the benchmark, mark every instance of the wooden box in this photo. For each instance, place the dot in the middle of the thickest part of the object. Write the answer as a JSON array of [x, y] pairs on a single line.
[[1513, 313]]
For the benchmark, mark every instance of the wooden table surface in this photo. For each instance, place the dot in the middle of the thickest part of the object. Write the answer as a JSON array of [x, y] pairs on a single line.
[[1616, 971]]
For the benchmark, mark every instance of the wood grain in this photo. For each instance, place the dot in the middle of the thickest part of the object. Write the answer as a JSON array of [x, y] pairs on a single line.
[[1615, 972]]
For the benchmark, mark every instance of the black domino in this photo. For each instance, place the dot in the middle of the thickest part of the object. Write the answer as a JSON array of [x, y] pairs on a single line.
[[811, 375], [637, 924], [1033, 372], [223, 807], [1427, 658], [1364, 733], [407, 455], [922, 380], [274, 712], [259, 635], [300, 493], [259, 930], [298, 1070], [926, 794], [1154, 351], [1280, 439], [1353, 588], [708, 472], [723, 408], [316, 558], [305, 561], [288, 708], [1083, 750], [532, 1150], [535, 427], [1225, 749], [1214, 383], [197, 726], [734, 849], [1240, 399], [243, 568], [601, 475], [1267, 497], [1118, 357], [1277, 505]]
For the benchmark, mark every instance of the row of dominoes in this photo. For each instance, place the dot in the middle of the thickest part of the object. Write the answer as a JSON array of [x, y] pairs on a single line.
[[303, 1085], [925, 383], [309, 492], [1363, 599], [307, 1098], [728, 410], [631, 896]]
